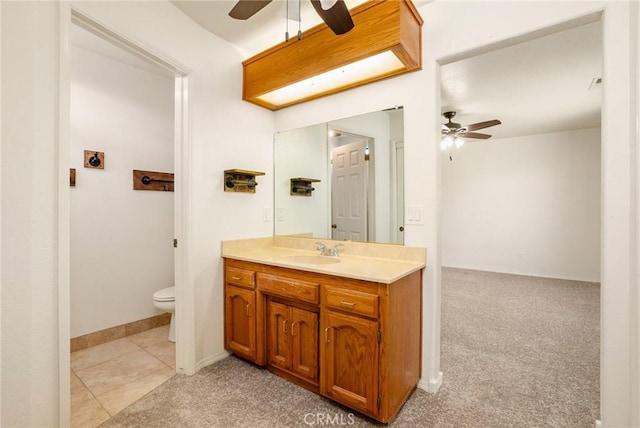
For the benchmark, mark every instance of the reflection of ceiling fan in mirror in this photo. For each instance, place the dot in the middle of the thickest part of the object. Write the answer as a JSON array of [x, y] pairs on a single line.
[[455, 134], [333, 12]]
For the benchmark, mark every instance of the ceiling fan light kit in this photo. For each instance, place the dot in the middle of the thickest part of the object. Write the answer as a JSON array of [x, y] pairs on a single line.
[[452, 132], [385, 41]]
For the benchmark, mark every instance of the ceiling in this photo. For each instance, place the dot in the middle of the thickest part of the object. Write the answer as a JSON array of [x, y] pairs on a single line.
[[263, 30], [538, 86]]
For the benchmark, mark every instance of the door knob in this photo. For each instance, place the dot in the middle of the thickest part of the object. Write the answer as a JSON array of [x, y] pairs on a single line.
[[334, 226], [401, 228]]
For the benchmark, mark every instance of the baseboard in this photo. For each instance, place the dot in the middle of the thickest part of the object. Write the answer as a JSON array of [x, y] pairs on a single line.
[[431, 386], [118, 332], [211, 359], [522, 273]]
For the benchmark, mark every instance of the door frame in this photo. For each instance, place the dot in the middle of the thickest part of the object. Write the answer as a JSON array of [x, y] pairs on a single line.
[[185, 322]]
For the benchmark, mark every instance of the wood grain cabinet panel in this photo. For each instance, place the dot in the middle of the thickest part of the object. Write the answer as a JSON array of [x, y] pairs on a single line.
[[304, 344], [239, 321], [293, 340], [240, 277], [350, 365], [351, 301]]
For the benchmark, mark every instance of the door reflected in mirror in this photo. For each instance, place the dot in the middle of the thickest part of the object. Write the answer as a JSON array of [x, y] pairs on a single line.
[[356, 166]]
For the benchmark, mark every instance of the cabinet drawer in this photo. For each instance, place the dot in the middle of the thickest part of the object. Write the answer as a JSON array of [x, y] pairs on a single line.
[[240, 277], [286, 287], [351, 301]]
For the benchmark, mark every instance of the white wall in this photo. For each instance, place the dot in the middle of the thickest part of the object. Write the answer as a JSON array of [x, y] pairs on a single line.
[[528, 205], [302, 153], [121, 239], [29, 214]]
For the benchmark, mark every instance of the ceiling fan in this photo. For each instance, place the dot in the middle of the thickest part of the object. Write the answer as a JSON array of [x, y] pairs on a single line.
[[453, 133], [333, 12]]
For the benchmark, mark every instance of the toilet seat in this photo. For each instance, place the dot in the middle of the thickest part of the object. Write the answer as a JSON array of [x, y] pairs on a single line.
[[165, 295]]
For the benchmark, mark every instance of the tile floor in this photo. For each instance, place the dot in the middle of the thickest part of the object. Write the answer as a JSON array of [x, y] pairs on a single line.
[[109, 377]]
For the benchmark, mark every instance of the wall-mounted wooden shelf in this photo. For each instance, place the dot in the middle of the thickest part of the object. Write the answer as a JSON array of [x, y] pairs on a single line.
[[241, 180], [301, 186], [153, 180]]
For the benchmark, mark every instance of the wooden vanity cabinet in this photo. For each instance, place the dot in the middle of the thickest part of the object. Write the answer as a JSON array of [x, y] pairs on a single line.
[[356, 342]]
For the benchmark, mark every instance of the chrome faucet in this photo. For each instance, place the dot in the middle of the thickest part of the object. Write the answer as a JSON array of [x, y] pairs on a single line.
[[334, 250], [325, 251]]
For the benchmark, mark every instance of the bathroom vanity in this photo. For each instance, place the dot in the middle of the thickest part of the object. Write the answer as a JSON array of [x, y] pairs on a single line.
[[346, 327]]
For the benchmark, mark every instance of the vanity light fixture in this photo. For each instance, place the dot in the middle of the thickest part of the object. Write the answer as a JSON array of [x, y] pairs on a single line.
[[386, 41]]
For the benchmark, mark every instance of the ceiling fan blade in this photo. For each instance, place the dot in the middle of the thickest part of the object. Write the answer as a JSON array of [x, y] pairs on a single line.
[[474, 135], [337, 17], [245, 9], [482, 125]]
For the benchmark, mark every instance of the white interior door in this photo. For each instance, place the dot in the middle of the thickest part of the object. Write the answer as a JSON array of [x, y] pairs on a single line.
[[349, 192]]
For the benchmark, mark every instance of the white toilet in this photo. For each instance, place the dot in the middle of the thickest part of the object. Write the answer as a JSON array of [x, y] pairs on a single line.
[[165, 300]]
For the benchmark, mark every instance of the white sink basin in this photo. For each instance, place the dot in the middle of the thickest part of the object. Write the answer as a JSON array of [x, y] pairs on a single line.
[[311, 259]]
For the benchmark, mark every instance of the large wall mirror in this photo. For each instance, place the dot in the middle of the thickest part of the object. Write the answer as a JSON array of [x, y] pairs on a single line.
[[355, 167]]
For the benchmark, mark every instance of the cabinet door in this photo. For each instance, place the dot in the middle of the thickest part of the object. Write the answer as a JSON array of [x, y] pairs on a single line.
[[278, 330], [304, 343], [350, 365], [240, 322]]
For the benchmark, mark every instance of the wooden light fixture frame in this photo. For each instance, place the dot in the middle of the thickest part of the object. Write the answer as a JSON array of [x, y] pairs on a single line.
[[380, 25]]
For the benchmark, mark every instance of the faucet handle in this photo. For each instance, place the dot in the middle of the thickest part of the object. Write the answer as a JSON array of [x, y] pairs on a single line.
[[334, 250], [322, 247]]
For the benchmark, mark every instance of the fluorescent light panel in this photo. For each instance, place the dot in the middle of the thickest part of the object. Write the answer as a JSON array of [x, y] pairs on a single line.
[[377, 65]]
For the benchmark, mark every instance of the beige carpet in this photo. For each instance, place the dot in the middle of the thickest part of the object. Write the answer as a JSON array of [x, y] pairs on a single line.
[[516, 352]]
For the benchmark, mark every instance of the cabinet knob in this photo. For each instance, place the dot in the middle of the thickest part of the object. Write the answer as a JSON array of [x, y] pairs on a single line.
[[248, 309], [293, 325], [284, 327]]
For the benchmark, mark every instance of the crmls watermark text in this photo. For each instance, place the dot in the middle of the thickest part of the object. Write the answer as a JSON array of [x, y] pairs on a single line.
[[326, 419]]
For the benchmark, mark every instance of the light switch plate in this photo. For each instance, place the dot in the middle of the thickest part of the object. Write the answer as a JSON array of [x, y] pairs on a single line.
[[414, 214]]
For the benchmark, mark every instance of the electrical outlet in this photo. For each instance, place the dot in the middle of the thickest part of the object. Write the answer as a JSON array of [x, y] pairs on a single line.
[[280, 214], [266, 214]]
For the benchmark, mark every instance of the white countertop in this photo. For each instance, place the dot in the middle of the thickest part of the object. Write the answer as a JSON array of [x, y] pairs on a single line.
[[383, 263]]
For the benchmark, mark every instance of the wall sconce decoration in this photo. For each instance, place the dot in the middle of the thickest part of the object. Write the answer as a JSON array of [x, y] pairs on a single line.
[[93, 159], [241, 180], [386, 41], [301, 186], [152, 180], [72, 177]]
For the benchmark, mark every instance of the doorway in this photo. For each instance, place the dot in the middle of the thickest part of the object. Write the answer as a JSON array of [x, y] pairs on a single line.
[[506, 197], [179, 144]]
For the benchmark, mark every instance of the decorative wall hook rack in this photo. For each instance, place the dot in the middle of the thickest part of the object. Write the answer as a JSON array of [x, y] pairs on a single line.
[[93, 159], [301, 186], [153, 180], [241, 180]]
